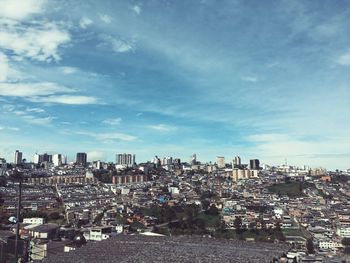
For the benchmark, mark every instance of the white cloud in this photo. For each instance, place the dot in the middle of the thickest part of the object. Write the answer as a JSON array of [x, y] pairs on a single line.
[[85, 22], [105, 18], [137, 9], [249, 78], [39, 42], [9, 128], [95, 155], [267, 137], [31, 89], [38, 120], [36, 110], [109, 137], [117, 45], [66, 99], [162, 127], [4, 67], [19, 9], [112, 122], [7, 73], [69, 70], [344, 59]]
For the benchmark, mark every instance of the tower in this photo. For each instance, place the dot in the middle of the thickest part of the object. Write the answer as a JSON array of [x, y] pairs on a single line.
[[81, 159], [18, 157]]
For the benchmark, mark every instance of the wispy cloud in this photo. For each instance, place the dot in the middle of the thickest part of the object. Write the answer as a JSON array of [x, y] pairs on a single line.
[[45, 93], [109, 137], [112, 122], [69, 70], [38, 120], [105, 18], [162, 127], [4, 67], [249, 78], [85, 22], [36, 110], [31, 89], [344, 59], [116, 44], [95, 155], [66, 99], [137, 9], [9, 128]]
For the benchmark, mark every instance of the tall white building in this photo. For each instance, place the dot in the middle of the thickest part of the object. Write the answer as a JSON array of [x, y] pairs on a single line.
[[18, 157], [57, 159], [220, 160], [36, 158], [125, 159]]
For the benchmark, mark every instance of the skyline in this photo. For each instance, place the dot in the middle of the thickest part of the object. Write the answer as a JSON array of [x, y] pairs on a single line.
[[266, 80]]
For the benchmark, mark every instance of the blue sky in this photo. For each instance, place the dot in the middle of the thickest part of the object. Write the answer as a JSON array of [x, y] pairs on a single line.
[[259, 79]]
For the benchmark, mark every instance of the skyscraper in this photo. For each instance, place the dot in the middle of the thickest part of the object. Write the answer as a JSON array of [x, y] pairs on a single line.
[[194, 159], [237, 161], [57, 159], [18, 157], [254, 164], [125, 159], [81, 159], [36, 158]]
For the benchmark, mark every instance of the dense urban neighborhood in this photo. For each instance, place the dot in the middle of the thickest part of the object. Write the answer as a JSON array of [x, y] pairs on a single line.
[[226, 209]]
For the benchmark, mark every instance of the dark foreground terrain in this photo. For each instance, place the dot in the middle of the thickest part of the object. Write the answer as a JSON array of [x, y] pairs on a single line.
[[136, 248]]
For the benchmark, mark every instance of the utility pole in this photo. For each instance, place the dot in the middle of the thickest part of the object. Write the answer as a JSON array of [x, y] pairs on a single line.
[[18, 217], [17, 176]]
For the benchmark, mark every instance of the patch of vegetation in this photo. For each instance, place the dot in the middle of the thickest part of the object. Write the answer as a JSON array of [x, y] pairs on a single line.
[[296, 232], [291, 189], [340, 178], [210, 220]]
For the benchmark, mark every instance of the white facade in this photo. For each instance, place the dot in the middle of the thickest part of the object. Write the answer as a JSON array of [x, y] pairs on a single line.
[[343, 231], [34, 220], [57, 160], [36, 158], [18, 157], [97, 234], [126, 159], [328, 244], [220, 161]]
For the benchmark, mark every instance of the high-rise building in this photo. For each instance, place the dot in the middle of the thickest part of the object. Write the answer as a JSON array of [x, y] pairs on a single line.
[[36, 158], [194, 159], [254, 164], [177, 161], [57, 159], [3, 166], [237, 162], [167, 160], [18, 157], [81, 159], [220, 161], [45, 158], [125, 159]]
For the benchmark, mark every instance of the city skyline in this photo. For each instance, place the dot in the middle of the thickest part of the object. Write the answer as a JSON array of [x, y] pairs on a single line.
[[173, 78]]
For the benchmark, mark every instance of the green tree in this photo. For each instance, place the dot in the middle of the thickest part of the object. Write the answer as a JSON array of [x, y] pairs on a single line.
[[310, 246], [238, 224], [213, 210], [205, 204], [346, 243], [54, 216]]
